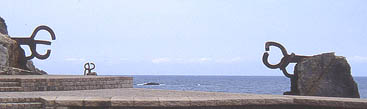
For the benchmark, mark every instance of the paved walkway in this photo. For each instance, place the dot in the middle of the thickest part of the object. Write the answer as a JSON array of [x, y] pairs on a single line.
[[126, 92], [156, 98]]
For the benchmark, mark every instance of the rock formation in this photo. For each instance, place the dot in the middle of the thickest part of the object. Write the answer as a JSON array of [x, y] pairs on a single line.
[[326, 75], [3, 27], [12, 56], [33, 68]]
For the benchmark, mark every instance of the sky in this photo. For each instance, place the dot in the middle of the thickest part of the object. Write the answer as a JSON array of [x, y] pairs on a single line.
[[188, 37]]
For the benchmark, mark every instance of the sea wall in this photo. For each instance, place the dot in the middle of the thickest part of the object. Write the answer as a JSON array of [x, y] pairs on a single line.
[[14, 83]]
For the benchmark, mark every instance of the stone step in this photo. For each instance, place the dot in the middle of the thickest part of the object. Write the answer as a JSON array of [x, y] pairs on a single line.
[[9, 84], [10, 89], [27, 105], [18, 100], [9, 80]]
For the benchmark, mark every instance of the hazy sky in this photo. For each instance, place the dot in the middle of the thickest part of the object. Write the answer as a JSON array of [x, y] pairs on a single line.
[[188, 37]]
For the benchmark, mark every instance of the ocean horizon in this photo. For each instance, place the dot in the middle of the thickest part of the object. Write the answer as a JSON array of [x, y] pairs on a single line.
[[274, 85]]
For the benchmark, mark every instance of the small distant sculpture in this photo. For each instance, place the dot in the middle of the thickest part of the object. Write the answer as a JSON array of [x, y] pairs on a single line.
[[88, 69]]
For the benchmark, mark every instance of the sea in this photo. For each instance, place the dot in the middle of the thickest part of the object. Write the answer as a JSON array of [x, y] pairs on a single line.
[[275, 85]]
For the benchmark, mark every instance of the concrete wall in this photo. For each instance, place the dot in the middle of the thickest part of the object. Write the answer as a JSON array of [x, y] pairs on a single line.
[[65, 83]]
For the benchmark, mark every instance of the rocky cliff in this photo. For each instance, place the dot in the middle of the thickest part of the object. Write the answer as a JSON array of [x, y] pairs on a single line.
[[12, 56]]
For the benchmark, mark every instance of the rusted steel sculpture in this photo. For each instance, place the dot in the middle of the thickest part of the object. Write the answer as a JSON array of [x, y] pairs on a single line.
[[32, 43], [88, 69], [287, 58]]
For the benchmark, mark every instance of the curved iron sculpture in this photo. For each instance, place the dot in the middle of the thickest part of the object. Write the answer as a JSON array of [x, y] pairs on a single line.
[[33, 43], [88, 69], [282, 65]]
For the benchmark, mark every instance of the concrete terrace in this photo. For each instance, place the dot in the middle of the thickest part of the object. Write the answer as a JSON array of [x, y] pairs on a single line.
[[136, 98]]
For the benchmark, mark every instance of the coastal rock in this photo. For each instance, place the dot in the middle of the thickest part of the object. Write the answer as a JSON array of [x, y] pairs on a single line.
[[12, 56], [10, 51], [34, 70], [92, 73], [3, 27], [4, 56], [326, 75], [152, 83], [14, 71]]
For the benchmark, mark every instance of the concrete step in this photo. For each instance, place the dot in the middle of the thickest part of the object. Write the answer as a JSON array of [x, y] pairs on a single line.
[[18, 100], [9, 80], [27, 105], [9, 84], [10, 89]]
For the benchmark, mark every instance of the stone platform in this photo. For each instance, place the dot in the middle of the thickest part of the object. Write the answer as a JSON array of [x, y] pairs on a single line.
[[136, 98], [19, 83]]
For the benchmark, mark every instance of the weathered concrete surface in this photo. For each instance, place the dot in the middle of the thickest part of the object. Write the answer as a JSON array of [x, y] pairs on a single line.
[[326, 75], [20, 103], [150, 98]]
